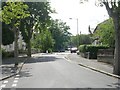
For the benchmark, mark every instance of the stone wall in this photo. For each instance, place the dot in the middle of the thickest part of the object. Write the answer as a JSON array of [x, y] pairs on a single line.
[[106, 55]]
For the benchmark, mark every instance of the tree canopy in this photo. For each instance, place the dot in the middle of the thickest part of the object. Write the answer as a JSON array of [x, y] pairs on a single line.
[[106, 33], [59, 31]]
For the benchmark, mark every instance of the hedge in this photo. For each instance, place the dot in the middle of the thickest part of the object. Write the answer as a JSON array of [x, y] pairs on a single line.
[[92, 49]]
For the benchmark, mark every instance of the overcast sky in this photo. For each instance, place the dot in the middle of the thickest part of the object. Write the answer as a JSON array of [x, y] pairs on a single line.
[[87, 14]]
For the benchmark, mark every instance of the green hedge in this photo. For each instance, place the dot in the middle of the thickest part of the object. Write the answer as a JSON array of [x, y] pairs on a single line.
[[92, 49]]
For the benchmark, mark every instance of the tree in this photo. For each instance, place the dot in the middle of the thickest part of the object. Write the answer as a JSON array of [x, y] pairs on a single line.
[[43, 41], [83, 39], [105, 32], [113, 9], [7, 34], [60, 34], [39, 12], [12, 13]]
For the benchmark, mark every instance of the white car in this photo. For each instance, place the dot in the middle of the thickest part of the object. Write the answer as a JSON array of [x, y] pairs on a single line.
[[73, 50]]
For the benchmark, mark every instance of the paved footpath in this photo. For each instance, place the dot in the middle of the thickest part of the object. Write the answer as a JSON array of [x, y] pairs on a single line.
[[92, 64], [8, 69]]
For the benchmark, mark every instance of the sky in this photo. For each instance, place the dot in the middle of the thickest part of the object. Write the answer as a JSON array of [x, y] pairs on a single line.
[[87, 14]]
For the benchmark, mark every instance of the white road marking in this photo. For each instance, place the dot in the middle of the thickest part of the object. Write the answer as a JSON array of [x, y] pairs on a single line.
[[14, 85], [17, 75], [2, 86], [5, 82], [16, 78], [15, 81]]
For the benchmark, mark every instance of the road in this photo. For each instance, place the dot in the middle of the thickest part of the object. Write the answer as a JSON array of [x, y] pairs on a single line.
[[54, 71]]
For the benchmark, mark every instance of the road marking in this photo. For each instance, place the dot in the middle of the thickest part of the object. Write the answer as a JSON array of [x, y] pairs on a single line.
[[5, 82], [2, 86], [16, 78], [14, 85], [15, 81], [17, 75]]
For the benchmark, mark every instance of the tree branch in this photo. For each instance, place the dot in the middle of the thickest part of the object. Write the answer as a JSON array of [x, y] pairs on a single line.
[[108, 7]]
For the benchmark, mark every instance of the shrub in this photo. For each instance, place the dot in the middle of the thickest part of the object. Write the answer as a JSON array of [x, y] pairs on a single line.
[[92, 49], [7, 54], [49, 50], [82, 48]]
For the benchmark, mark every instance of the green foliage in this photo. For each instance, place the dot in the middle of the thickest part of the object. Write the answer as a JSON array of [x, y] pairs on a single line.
[[7, 34], [80, 39], [92, 49], [7, 54], [84, 39], [49, 50], [44, 41], [106, 33], [82, 48], [59, 31], [13, 12], [39, 20]]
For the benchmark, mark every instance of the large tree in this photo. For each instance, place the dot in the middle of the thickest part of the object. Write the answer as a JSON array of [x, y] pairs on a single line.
[[43, 41], [59, 31], [113, 9], [12, 13], [39, 12]]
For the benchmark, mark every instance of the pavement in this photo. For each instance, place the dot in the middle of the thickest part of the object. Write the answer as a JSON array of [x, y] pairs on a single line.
[[92, 64], [54, 71], [7, 68]]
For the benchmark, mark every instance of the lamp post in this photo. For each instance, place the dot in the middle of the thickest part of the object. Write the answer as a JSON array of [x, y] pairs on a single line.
[[77, 31]]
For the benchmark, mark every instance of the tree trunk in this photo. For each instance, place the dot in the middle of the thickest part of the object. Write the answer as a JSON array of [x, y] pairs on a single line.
[[29, 44], [29, 48], [117, 46], [16, 33]]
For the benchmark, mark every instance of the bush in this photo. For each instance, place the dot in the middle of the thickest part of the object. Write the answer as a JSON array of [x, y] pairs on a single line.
[[49, 50], [7, 54], [82, 48], [92, 49]]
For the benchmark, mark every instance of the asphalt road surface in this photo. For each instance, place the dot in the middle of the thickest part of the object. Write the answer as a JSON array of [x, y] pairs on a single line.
[[54, 71]]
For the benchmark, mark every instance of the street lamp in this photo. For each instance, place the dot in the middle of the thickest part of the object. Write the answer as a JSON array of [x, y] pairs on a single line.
[[77, 31], [77, 24]]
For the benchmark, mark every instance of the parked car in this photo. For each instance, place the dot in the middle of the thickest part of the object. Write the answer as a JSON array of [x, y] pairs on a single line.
[[73, 50]]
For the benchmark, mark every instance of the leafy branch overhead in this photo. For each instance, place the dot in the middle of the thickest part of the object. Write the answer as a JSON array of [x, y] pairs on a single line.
[[13, 12]]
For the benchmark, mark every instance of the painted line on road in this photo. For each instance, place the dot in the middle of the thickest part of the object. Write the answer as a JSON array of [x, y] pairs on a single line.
[[17, 75], [16, 78], [3, 86], [5, 82], [14, 85], [15, 81]]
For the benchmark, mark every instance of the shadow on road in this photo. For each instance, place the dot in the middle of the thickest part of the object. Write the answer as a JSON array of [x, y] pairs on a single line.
[[25, 74], [12, 60], [42, 59]]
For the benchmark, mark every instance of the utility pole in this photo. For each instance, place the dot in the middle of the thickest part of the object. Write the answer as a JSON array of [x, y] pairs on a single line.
[[77, 35]]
